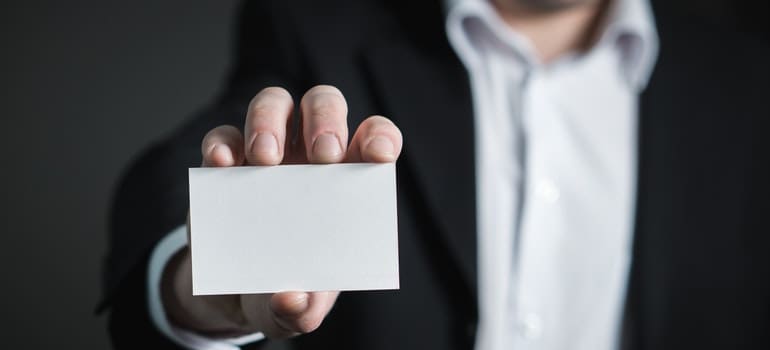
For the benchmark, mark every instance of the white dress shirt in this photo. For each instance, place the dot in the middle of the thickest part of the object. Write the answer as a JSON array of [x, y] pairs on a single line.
[[555, 163], [555, 166]]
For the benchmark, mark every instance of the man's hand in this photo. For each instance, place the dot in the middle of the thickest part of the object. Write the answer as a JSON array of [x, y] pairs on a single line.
[[323, 138]]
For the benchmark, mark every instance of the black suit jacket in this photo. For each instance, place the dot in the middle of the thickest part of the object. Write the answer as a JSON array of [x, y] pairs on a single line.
[[700, 275]]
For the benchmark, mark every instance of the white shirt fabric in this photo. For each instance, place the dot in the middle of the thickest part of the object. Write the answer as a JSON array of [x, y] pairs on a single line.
[[555, 163], [555, 169]]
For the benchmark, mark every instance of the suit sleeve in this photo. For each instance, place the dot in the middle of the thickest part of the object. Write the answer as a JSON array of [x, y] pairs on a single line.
[[152, 196]]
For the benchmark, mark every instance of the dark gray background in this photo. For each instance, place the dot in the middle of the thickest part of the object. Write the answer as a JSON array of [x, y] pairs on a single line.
[[84, 85]]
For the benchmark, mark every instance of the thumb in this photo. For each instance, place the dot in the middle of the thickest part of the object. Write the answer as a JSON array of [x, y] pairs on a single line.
[[286, 314]]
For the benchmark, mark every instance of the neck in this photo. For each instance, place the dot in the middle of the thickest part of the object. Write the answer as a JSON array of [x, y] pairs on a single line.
[[557, 31]]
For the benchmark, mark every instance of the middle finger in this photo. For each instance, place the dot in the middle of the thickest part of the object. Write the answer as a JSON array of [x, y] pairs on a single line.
[[324, 124]]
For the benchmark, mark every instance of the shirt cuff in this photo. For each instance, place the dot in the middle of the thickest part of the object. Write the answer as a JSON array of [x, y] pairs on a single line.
[[163, 252]]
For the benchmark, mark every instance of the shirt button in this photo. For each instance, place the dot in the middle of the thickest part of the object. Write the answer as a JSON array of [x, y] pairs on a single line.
[[547, 190], [530, 326]]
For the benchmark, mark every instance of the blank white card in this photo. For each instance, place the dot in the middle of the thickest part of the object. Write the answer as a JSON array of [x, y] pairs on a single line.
[[293, 228]]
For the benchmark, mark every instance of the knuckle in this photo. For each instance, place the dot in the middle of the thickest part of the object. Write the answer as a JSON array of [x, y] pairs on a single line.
[[381, 125], [380, 129], [218, 135], [321, 89], [274, 91], [209, 137], [264, 108], [378, 119], [270, 101], [324, 101], [326, 106]]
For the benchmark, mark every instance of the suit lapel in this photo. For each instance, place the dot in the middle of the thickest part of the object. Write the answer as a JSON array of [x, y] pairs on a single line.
[[427, 94], [680, 227]]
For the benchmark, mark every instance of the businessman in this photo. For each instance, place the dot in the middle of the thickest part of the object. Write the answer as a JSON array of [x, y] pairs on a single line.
[[573, 174]]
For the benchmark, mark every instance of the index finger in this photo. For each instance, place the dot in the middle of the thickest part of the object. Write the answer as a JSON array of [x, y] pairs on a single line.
[[265, 129]]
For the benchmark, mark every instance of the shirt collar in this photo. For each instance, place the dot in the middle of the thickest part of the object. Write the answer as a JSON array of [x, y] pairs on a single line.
[[630, 28]]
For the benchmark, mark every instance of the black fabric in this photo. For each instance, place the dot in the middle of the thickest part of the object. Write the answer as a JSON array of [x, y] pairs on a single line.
[[700, 267]]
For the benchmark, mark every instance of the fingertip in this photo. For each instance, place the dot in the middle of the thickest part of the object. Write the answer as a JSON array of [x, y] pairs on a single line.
[[379, 149], [264, 149], [327, 148], [289, 304], [222, 146], [220, 155]]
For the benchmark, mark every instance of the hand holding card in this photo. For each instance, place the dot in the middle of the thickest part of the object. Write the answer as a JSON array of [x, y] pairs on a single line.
[[267, 141]]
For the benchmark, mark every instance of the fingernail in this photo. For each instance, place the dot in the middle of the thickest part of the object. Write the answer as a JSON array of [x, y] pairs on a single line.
[[300, 302], [221, 153], [265, 143], [327, 146], [381, 145]]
